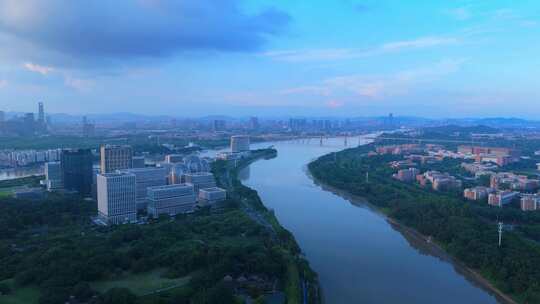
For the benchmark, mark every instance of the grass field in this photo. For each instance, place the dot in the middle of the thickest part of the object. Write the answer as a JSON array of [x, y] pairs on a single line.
[[27, 295], [140, 284], [5, 193]]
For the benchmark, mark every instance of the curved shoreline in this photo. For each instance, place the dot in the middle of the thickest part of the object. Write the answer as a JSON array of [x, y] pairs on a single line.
[[436, 250]]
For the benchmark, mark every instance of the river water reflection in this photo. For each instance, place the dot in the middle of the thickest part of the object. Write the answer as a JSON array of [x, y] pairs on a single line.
[[359, 256], [20, 172]]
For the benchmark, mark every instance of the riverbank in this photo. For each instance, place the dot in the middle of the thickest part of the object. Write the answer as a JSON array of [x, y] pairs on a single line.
[[301, 284], [435, 249]]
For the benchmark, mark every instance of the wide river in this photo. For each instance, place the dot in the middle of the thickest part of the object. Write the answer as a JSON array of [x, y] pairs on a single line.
[[359, 256]]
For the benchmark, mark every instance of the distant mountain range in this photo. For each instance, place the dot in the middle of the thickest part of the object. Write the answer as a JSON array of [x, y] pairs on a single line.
[[409, 121]]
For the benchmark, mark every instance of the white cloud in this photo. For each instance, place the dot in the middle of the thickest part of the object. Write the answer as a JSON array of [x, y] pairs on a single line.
[[334, 104], [345, 53], [79, 84], [380, 86], [460, 13], [420, 43], [36, 68]]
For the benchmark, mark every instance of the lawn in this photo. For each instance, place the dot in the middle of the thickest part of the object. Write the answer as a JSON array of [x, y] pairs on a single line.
[[5, 193], [140, 284], [26, 295]]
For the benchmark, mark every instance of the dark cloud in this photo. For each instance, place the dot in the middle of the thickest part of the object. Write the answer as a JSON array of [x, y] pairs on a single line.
[[122, 29]]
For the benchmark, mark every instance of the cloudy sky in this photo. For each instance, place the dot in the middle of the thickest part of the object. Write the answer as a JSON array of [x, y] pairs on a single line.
[[272, 57]]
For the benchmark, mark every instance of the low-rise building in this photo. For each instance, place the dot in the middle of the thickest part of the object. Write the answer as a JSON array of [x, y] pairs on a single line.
[[477, 193], [399, 149], [145, 178], [211, 196], [474, 168], [174, 158], [138, 162], [499, 155], [170, 199], [530, 202], [200, 180], [441, 181], [501, 198], [407, 175], [402, 164], [512, 181]]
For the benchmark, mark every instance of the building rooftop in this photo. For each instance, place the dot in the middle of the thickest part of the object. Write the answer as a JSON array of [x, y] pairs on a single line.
[[164, 187], [213, 189]]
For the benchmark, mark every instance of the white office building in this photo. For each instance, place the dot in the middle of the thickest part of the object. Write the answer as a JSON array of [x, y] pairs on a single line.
[[145, 178], [170, 199], [117, 198], [200, 180], [239, 143], [53, 176]]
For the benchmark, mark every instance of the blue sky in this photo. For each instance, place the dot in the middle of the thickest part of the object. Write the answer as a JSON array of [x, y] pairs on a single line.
[[260, 57]]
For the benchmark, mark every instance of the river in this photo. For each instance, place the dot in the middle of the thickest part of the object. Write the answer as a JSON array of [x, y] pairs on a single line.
[[6, 174], [359, 255]]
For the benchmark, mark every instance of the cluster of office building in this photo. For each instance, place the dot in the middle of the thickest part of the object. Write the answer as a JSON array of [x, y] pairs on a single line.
[[505, 188], [175, 186], [479, 169], [438, 181], [494, 197], [498, 155], [124, 186]]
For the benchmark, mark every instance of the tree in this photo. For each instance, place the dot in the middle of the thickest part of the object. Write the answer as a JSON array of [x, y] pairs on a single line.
[[118, 296]]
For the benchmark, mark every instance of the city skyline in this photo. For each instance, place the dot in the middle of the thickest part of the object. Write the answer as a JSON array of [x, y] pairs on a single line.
[[266, 58]]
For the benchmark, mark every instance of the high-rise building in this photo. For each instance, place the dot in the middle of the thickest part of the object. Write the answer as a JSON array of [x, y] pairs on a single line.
[[254, 123], [171, 199], [145, 178], [53, 176], [29, 124], [76, 168], [239, 143], [117, 194], [41, 114], [88, 129], [116, 158], [219, 125]]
